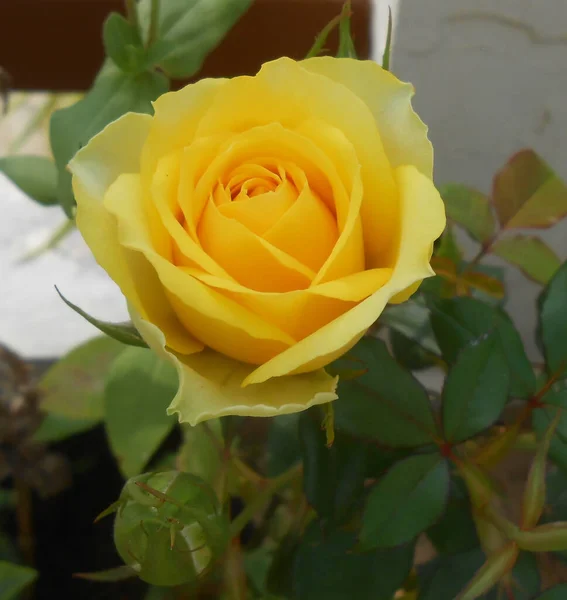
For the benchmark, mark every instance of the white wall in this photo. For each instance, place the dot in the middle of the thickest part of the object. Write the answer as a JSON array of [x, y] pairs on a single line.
[[491, 78]]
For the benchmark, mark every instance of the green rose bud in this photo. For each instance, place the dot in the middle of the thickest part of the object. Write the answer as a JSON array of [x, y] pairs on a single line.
[[169, 527]]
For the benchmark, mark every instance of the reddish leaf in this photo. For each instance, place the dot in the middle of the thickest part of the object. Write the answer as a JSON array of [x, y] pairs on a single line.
[[527, 193]]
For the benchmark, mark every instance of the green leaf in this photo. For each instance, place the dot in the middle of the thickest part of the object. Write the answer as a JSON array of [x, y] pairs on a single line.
[[55, 428], [527, 580], [527, 193], [123, 44], [139, 389], [455, 531], [409, 353], [460, 321], [74, 386], [321, 39], [283, 444], [384, 403], [446, 575], [448, 246], [333, 478], [14, 579], [188, 30], [36, 176], [476, 389], [257, 564], [326, 568], [470, 209], [542, 419], [406, 501], [553, 321], [113, 94], [388, 46], [122, 332], [559, 592], [533, 256], [412, 320], [533, 501], [278, 580], [346, 44]]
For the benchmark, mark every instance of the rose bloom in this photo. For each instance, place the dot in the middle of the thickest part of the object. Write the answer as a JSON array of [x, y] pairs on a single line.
[[258, 226]]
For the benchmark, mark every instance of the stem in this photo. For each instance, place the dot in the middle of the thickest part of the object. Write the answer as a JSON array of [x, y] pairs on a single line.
[[271, 488], [132, 12], [154, 23], [485, 249]]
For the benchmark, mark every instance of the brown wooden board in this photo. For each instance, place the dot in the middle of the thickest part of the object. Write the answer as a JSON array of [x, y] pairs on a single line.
[[56, 44]]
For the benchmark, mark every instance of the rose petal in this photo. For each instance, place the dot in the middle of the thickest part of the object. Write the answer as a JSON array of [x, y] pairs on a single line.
[[185, 250], [302, 312], [210, 385], [403, 133], [214, 320], [115, 150], [247, 257], [423, 220], [285, 92]]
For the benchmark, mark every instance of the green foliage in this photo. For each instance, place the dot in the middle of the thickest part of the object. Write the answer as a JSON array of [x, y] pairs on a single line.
[[328, 514], [407, 500], [553, 324], [187, 31], [470, 209], [460, 321], [72, 391], [113, 94], [527, 193], [327, 567], [447, 575], [122, 332], [476, 389], [388, 44], [123, 44], [346, 43], [36, 176], [333, 478], [14, 579], [530, 254], [557, 593], [283, 444], [138, 391], [384, 403], [455, 531]]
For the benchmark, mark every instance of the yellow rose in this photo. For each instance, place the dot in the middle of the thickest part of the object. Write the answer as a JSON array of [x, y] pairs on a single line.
[[258, 226]]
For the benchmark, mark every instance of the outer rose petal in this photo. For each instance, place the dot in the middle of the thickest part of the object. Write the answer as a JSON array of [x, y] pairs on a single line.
[[403, 133], [423, 221], [114, 151], [210, 385]]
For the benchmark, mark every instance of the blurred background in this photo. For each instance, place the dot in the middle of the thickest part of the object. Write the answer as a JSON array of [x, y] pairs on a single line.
[[490, 78]]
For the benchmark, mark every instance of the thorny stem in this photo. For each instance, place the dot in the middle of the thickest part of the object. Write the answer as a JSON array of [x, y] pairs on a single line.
[[272, 486]]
